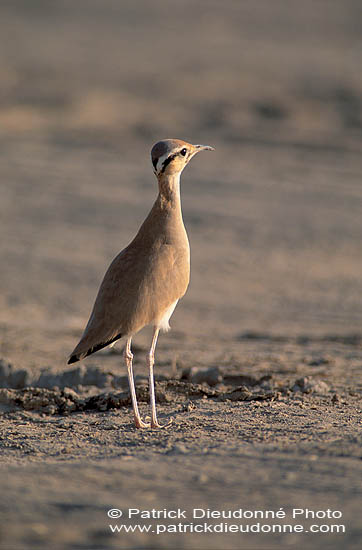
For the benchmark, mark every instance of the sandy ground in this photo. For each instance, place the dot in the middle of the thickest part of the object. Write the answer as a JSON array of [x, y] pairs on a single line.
[[261, 373]]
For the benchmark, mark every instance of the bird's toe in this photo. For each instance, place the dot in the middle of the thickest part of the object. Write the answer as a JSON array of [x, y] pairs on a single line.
[[156, 424]]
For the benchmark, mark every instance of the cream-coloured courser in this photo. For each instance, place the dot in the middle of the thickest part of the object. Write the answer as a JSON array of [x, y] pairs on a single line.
[[145, 281]]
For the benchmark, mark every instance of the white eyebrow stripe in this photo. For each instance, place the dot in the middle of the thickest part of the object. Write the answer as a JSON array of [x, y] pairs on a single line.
[[164, 157], [161, 161]]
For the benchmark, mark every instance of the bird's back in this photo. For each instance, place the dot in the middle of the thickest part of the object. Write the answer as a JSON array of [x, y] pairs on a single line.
[[142, 282]]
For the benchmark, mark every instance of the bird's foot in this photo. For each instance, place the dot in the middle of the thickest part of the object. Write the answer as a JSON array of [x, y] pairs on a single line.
[[156, 424], [140, 424]]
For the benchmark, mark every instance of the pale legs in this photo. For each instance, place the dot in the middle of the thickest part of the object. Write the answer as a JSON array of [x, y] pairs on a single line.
[[128, 356], [151, 361]]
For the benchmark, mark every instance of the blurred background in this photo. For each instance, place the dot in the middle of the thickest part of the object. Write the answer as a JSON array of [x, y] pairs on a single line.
[[274, 214]]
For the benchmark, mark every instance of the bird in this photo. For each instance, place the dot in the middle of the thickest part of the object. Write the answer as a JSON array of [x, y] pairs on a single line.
[[145, 281]]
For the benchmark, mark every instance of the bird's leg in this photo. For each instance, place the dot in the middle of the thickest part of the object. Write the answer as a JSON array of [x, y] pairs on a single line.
[[150, 361], [128, 356]]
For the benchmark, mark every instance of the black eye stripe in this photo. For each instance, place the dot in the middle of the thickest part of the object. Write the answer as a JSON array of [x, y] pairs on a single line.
[[169, 159]]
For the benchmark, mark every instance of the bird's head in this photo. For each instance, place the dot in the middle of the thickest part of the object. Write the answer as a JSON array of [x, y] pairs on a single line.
[[170, 156]]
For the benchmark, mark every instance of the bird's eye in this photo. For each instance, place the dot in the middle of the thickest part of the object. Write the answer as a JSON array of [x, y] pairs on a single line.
[[183, 151]]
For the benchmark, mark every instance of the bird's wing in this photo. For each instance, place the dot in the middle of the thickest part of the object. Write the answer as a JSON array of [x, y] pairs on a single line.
[[139, 285]]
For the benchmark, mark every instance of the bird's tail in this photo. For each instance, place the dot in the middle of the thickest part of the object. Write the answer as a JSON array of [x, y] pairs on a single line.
[[80, 353]]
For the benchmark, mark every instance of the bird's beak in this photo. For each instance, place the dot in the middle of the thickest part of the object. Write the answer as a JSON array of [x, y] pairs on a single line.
[[203, 148]]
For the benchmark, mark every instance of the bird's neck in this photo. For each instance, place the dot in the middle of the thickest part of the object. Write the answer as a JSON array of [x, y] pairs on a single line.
[[165, 219], [169, 191]]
